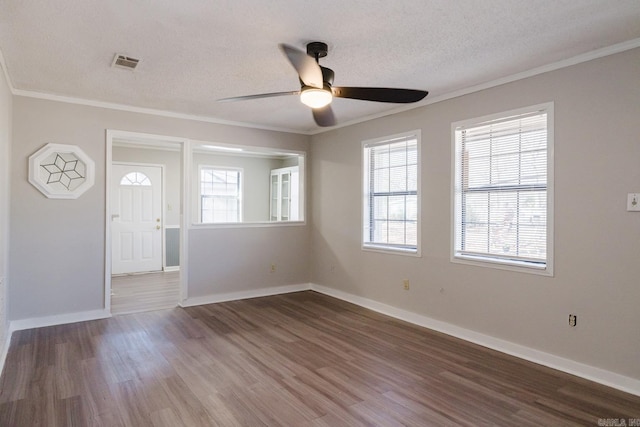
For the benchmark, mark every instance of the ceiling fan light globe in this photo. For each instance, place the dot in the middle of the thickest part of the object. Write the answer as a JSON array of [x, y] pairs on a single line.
[[316, 98]]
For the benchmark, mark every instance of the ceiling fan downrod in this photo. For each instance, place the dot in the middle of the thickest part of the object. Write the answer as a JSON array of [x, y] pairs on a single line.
[[317, 50]]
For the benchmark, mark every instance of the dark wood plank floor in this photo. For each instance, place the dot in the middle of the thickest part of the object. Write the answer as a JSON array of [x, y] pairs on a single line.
[[301, 359]]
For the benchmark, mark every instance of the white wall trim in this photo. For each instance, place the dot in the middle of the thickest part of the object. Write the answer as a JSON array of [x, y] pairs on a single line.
[[578, 59], [149, 140], [3, 65], [602, 376], [143, 110], [588, 56], [5, 350], [455, 190], [58, 319], [40, 322], [5, 225], [253, 293]]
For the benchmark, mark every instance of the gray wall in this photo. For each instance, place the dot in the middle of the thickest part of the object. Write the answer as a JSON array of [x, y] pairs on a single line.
[[239, 259], [6, 108], [57, 246], [597, 243]]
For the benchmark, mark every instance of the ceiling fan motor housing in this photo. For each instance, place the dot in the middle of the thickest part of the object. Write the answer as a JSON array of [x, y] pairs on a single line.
[[317, 49], [327, 76]]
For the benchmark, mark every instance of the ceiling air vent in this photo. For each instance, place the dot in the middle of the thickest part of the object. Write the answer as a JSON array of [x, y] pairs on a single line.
[[122, 61]]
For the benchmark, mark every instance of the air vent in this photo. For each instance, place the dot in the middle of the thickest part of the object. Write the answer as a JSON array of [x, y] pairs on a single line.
[[122, 61]]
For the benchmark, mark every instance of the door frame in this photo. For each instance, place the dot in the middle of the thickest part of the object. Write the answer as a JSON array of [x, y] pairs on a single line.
[[159, 142], [163, 249]]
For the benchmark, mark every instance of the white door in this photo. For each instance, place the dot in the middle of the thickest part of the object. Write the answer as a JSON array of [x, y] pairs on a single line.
[[136, 220]]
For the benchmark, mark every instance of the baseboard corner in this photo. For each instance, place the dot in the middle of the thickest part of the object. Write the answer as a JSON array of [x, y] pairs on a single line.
[[59, 319], [247, 294]]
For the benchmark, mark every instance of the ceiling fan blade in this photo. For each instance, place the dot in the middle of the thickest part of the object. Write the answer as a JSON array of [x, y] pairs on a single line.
[[380, 94], [324, 116], [307, 68], [262, 95]]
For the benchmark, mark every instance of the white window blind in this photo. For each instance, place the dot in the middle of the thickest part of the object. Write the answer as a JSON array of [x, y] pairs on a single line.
[[391, 194], [501, 197], [219, 195]]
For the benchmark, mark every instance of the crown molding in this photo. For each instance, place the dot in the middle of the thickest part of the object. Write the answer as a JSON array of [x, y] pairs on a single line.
[[585, 57], [143, 110], [578, 59]]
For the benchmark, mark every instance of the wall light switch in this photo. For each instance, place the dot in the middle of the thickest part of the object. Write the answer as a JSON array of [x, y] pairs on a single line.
[[633, 202]]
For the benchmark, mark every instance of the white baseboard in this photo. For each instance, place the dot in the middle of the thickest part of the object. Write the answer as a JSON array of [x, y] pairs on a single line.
[[253, 293], [39, 322], [602, 376], [5, 350], [58, 319]]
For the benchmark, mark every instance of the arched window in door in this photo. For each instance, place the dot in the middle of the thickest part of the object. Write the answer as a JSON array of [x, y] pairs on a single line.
[[135, 178]]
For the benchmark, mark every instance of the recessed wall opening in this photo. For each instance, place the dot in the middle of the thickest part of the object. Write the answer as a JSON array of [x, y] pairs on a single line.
[[160, 190], [144, 201]]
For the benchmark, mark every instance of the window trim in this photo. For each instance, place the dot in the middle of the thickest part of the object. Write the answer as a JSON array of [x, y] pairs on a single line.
[[190, 163], [381, 247], [496, 263], [240, 192]]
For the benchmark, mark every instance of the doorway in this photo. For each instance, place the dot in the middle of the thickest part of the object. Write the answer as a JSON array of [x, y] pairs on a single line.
[[144, 223]]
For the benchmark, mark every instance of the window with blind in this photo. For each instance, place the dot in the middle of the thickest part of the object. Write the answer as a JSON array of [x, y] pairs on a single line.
[[391, 193], [503, 190], [220, 195]]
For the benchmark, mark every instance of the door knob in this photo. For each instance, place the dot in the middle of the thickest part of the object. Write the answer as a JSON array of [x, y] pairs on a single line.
[[157, 227]]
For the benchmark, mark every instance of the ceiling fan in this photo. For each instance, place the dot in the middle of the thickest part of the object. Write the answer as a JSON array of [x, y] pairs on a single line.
[[317, 90]]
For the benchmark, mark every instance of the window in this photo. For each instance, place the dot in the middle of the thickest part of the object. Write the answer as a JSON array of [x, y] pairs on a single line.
[[391, 193], [220, 195], [135, 178], [503, 190], [284, 200]]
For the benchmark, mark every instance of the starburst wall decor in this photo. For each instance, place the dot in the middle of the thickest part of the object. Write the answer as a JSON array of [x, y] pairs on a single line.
[[61, 171]]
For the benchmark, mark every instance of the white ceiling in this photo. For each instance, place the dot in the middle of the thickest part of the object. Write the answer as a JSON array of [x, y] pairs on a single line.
[[194, 52]]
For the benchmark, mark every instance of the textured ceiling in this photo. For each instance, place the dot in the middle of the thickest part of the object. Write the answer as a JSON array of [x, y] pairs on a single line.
[[194, 52]]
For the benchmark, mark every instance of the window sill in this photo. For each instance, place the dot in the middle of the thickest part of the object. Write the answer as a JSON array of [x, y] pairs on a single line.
[[200, 226], [518, 266], [390, 250]]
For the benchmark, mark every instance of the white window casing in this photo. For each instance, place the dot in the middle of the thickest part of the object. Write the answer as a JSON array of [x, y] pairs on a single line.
[[220, 195], [502, 190], [391, 194]]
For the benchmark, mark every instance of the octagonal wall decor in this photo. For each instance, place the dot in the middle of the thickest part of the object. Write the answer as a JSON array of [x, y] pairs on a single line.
[[61, 171]]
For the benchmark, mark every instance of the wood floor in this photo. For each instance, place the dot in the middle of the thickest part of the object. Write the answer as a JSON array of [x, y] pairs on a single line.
[[301, 359], [132, 293]]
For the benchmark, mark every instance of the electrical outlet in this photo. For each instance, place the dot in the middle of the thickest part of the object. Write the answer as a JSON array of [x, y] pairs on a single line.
[[405, 283], [573, 320], [273, 268], [633, 202]]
